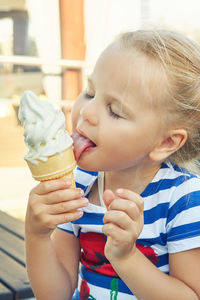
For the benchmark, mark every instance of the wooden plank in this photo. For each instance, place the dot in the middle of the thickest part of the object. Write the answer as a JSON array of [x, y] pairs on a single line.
[[12, 224], [14, 276], [12, 246], [5, 293]]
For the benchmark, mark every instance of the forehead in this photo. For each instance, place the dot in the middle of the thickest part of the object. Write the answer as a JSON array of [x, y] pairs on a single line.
[[114, 65], [128, 71]]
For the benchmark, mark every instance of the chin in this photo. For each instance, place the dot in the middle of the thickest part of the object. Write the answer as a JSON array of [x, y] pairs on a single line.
[[86, 166]]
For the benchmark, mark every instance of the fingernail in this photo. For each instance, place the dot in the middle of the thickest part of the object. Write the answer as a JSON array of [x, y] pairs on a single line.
[[119, 191], [79, 213], [68, 182], [81, 192], [85, 201]]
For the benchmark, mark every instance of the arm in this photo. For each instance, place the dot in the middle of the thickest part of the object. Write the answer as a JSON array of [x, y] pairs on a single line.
[[149, 283], [123, 224], [51, 276], [65, 252]]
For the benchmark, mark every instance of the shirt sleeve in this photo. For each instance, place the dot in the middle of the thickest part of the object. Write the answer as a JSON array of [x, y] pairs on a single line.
[[67, 227], [183, 228]]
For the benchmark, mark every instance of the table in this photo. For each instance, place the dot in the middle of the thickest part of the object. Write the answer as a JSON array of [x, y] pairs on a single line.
[[14, 283]]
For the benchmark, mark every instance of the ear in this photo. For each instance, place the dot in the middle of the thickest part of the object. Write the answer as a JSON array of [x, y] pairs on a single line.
[[174, 140]]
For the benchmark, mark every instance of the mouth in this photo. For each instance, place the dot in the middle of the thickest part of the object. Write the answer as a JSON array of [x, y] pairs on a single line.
[[82, 144]]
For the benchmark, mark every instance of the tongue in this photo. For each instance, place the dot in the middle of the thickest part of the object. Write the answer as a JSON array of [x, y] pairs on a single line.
[[80, 144]]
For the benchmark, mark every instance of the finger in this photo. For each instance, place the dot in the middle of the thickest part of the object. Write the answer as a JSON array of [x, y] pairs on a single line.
[[119, 218], [130, 195], [119, 235], [64, 207], [108, 197], [51, 221], [52, 185], [127, 206], [116, 233], [63, 195]]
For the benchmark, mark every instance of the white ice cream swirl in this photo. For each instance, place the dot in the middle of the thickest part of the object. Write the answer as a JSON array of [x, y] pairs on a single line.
[[44, 128]]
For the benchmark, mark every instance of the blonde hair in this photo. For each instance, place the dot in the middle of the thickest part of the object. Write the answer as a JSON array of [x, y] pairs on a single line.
[[179, 57]]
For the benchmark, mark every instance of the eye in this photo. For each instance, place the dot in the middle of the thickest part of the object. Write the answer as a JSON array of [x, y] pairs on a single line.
[[112, 113], [88, 96], [89, 93]]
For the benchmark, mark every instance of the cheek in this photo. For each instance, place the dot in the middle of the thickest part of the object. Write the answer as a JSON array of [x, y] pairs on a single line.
[[75, 113], [74, 116], [113, 136]]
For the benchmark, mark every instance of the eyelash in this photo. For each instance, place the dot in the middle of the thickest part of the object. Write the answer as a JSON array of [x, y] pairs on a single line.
[[112, 114], [88, 96]]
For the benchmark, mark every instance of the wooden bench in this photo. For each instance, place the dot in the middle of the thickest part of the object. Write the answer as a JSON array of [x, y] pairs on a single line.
[[14, 283]]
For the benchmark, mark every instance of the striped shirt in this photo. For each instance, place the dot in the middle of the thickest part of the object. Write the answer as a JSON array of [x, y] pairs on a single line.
[[171, 224]]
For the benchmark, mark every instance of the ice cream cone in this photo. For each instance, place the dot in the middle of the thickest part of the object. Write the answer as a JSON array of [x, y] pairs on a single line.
[[57, 166]]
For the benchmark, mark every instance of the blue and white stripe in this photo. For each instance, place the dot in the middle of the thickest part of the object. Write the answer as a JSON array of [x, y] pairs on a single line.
[[171, 212]]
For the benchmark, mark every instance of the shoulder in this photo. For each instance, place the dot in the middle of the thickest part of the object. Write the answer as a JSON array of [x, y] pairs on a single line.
[[176, 179], [184, 183], [182, 186], [183, 221], [172, 180], [172, 191]]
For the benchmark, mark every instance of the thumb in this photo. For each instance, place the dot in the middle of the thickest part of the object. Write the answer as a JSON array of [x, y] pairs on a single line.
[[108, 197]]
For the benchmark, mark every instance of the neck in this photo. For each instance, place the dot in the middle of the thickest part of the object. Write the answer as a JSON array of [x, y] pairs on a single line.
[[132, 179]]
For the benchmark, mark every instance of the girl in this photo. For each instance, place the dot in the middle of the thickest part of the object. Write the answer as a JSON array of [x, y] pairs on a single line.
[[136, 224]]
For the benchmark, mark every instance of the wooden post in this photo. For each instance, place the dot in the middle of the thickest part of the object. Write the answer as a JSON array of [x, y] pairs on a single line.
[[73, 44]]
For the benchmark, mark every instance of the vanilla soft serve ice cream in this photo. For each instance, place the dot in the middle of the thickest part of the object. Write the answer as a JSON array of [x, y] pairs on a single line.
[[44, 128], [50, 150]]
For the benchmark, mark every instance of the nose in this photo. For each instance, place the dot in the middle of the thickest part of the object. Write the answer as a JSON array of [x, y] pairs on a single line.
[[89, 112]]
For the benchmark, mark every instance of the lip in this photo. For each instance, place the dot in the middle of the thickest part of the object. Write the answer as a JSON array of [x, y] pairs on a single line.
[[82, 143], [81, 132], [84, 135]]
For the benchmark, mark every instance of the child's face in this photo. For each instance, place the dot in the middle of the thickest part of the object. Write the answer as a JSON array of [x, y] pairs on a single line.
[[115, 114]]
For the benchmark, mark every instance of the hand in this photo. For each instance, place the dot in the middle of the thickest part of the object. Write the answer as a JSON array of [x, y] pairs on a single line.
[[52, 203], [123, 222]]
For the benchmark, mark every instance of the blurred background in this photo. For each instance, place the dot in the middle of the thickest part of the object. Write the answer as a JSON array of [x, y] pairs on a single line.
[[50, 47]]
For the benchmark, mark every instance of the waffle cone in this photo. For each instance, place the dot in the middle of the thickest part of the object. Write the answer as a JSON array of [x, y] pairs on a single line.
[[57, 166]]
